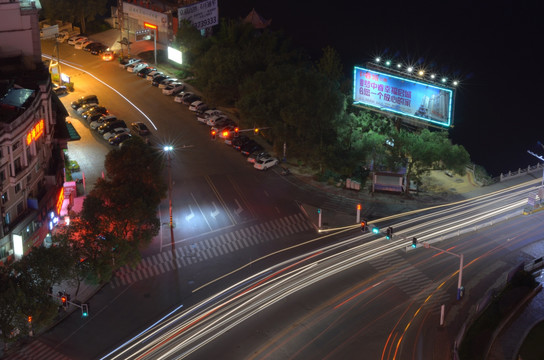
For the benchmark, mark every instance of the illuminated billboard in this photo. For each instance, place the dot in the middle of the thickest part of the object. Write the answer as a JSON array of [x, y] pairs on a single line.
[[403, 96]]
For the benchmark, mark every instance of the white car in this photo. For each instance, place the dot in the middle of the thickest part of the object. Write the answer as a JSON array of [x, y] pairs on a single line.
[[195, 105], [173, 88], [152, 74], [63, 36], [79, 43], [258, 155], [134, 68], [73, 39], [130, 62], [203, 117], [115, 132], [95, 124], [213, 120], [265, 164], [167, 82]]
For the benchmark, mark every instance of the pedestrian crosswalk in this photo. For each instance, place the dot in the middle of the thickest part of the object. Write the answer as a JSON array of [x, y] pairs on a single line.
[[206, 249], [37, 350], [410, 280]]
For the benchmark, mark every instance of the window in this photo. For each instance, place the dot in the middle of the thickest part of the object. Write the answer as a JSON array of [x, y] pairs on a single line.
[[20, 208], [18, 166], [4, 198], [16, 145], [2, 175], [17, 188]]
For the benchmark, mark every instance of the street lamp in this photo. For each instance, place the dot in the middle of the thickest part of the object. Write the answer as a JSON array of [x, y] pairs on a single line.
[[168, 150]]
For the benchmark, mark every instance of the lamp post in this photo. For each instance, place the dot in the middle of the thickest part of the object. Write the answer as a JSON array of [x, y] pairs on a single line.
[[168, 149]]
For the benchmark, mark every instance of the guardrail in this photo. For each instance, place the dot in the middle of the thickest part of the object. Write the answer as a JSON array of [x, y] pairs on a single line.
[[521, 172]]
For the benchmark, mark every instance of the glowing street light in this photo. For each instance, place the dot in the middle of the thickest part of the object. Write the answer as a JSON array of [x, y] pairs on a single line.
[[168, 150]]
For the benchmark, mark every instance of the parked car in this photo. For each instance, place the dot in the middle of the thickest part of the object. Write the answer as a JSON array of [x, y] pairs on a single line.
[[84, 100], [130, 67], [139, 66], [85, 107], [63, 36], [104, 128], [72, 41], [167, 82], [59, 90], [152, 75], [108, 55], [179, 97], [118, 139], [212, 120], [96, 110], [257, 155], [125, 63], [188, 100], [240, 141], [249, 147], [79, 43], [102, 120], [173, 88], [157, 81], [88, 45], [97, 50], [143, 73], [198, 105], [140, 128], [266, 163], [115, 132], [203, 117]]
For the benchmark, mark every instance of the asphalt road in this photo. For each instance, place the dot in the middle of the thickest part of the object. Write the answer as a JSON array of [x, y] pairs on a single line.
[[362, 295]]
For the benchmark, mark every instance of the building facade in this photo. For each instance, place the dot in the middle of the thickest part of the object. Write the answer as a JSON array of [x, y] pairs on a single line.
[[32, 133]]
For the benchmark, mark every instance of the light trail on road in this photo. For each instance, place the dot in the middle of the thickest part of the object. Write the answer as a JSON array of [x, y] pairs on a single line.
[[186, 332]]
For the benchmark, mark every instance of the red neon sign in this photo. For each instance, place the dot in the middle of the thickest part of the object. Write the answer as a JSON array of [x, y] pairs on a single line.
[[35, 133], [149, 26], [60, 200]]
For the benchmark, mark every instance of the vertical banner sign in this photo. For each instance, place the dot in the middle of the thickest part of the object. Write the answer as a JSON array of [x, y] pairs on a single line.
[[202, 15], [403, 96]]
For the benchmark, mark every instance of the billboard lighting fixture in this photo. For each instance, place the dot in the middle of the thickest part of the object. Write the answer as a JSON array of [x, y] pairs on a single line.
[[378, 59], [388, 63], [421, 72], [399, 65], [433, 76], [455, 83], [410, 69], [444, 80]]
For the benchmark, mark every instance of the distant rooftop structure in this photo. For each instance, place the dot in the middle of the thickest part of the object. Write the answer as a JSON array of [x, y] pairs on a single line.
[[257, 20]]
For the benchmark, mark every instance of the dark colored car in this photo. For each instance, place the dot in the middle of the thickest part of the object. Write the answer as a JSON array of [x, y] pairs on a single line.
[[158, 79], [90, 46], [104, 128], [249, 147], [187, 100], [97, 50], [239, 141], [117, 139], [93, 116], [140, 128], [96, 110], [143, 73], [89, 99], [59, 90]]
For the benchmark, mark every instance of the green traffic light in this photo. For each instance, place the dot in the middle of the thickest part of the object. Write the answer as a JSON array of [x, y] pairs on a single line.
[[375, 230]]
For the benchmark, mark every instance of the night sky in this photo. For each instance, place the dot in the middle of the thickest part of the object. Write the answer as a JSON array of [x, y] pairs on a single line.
[[492, 47]]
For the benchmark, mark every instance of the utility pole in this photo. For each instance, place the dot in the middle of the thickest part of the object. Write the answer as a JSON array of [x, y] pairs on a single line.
[[168, 150], [461, 258]]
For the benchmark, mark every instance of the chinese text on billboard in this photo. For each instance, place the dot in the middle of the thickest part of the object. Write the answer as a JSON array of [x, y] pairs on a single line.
[[201, 15], [403, 96]]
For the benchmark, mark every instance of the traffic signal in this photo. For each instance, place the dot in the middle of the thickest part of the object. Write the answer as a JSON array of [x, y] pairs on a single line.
[[84, 310], [29, 319], [363, 226], [236, 131], [375, 230], [213, 133], [256, 131], [359, 206], [64, 300], [414, 242], [389, 233]]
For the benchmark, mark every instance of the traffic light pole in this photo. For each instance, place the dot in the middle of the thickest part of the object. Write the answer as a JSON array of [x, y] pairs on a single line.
[[460, 256]]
